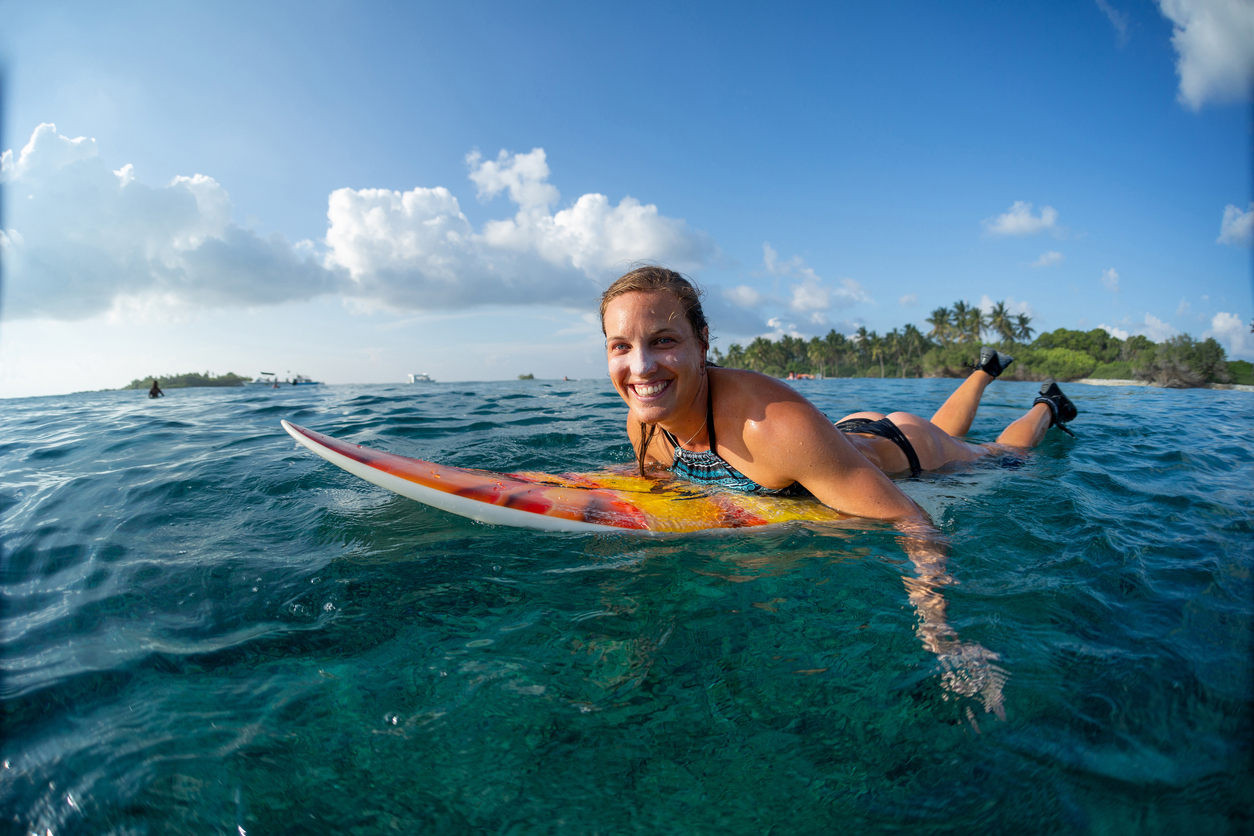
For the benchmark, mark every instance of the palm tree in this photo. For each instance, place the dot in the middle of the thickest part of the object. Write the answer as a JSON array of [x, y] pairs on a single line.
[[876, 349], [816, 353], [914, 343], [1022, 330], [1000, 322], [862, 337], [893, 346], [961, 317], [969, 322], [836, 345], [941, 325]]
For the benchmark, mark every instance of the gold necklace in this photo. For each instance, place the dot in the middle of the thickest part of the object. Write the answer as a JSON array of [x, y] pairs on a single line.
[[697, 433]]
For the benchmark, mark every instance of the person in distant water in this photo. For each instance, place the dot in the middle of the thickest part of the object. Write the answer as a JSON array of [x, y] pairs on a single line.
[[155, 391], [744, 431]]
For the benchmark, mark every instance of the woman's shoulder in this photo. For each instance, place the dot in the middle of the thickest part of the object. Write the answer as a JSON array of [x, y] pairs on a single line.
[[753, 387]]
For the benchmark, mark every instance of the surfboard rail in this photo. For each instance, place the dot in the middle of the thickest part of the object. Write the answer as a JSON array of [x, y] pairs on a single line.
[[558, 502]]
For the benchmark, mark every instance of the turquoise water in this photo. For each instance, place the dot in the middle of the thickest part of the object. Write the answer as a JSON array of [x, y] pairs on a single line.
[[207, 629]]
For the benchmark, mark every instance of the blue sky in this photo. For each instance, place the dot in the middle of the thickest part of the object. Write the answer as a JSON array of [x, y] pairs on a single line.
[[355, 191]]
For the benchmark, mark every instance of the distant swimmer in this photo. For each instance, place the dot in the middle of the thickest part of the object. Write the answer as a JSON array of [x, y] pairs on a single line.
[[155, 391]]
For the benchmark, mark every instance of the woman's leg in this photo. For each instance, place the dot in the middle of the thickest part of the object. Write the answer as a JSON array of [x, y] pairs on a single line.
[[956, 414], [1028, 430]]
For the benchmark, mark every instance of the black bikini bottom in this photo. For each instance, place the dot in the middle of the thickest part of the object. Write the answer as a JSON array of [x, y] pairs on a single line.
[[884, 429]]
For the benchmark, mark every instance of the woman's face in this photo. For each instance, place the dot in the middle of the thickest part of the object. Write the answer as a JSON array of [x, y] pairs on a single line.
[[654, 357]]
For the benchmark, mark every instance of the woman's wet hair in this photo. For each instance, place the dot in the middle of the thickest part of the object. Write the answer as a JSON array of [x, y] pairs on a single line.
[[648, 279], [651, 278]]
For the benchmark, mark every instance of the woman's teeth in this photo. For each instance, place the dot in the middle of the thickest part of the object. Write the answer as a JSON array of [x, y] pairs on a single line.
[[647, 390]]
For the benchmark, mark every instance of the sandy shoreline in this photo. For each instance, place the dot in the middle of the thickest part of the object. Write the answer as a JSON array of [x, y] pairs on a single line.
[[1093, 381]]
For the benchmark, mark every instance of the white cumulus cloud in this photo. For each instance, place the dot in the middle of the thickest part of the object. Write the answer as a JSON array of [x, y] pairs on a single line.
[[1019, 220], [1110, 280], [1233, 334], [1237, 227], [1013, 306], [417, 250], [1048, 258], [909, 300], [84, 236], [1157, 330], [1149, 326], [85, 239], [1214, 43]]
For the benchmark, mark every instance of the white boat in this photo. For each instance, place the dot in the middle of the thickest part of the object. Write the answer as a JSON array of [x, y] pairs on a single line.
[[267, 379], [270, 380], [420, 378]]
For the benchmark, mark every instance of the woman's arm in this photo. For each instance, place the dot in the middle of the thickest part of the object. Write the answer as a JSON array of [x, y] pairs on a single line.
[[795, 442], [817, 455]]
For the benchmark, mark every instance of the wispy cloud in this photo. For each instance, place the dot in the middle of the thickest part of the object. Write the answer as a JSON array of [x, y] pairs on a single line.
[[1019, 220], [812, 295], [1110, 280], [1048, 258], [1118, 19]]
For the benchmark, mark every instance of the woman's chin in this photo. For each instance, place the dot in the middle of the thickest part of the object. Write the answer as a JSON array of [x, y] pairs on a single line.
[[651, 413]]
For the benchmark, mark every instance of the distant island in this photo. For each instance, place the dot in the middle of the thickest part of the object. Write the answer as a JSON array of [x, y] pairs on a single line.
[[188, 380], [952, 346]]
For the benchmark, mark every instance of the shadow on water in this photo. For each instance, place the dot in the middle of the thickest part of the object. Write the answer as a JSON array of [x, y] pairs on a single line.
[[206, 629]]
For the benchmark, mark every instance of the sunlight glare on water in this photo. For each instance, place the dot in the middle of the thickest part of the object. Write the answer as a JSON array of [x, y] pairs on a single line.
[[208, 629]]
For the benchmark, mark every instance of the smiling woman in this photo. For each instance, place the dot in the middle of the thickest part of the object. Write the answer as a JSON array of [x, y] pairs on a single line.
[[763, 437], [766, 438]]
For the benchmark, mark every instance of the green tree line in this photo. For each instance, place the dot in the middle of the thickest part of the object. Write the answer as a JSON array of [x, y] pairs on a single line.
[[952, 345], [184, 381]]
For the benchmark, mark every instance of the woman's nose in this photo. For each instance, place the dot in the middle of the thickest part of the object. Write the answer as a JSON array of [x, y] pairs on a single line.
[[642, 362]]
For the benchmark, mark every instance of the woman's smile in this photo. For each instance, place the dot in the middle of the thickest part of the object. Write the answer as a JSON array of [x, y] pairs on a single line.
[[648, 390]]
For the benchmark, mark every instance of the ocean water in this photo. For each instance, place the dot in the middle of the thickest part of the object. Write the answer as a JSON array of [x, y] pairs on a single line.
[[206, 629]]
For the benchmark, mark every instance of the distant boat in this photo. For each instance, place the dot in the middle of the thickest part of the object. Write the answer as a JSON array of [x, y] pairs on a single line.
[[265, 379], [271, 381], [420, 378]]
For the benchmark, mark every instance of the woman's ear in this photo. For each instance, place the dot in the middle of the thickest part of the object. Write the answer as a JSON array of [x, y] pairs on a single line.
[[705, 337]]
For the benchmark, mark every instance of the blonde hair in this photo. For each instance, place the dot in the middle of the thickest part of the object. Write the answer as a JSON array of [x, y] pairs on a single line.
[[647, 279], [650, 278]]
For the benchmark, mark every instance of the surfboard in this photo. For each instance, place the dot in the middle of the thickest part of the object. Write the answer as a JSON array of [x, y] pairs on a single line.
[[579, 502]]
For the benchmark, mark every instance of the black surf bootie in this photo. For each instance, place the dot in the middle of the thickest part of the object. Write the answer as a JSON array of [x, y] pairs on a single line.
[[993, 361], [1061, 409]]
